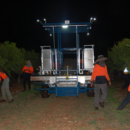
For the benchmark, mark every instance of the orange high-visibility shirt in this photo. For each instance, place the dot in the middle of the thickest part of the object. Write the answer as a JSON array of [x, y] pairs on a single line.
[[3, 76], [99, 71], [81, 61], [27, 69], [129, 88]]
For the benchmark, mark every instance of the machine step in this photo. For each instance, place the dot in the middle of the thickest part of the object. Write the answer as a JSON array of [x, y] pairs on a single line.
[[67, 91]]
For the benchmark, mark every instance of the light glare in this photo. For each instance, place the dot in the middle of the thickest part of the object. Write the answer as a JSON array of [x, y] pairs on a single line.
[[94, 19], [64, 26], [126, 70]]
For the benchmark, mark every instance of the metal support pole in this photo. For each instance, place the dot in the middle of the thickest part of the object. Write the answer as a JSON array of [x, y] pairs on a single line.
[[82, 60], [67, 71], [77, 45], [56, 61], [41, 60], [60, 48], [58, 38], [53, 37], [79, 40]]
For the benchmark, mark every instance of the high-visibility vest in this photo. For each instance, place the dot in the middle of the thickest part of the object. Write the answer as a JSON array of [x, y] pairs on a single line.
[[129, 88], [80, 61], [99, 71], [27, 69], [3, 76]]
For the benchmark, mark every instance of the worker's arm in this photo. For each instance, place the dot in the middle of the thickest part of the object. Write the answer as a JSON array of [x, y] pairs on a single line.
[[23, 69], [31, 70], [93, 76], [0, 78]]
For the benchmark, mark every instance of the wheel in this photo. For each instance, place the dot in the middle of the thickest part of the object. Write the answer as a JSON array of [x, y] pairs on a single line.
[[44, 94]]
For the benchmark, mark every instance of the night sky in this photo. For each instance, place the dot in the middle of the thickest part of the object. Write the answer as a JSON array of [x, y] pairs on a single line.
[[18, 22]]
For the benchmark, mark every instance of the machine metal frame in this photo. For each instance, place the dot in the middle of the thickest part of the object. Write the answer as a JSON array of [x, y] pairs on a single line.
[[60, 84]]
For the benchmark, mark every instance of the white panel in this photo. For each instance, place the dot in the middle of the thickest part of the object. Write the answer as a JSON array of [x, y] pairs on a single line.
[[88, 58]]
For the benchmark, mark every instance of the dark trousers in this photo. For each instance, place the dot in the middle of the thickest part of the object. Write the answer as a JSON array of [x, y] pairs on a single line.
[[26, 79], [97, 88], [124, 102], [127, 81]]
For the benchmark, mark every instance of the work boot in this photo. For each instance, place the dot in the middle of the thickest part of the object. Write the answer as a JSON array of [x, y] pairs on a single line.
[[96, 108], [11, 100], [120, 108], [101, 104], [3, 100]]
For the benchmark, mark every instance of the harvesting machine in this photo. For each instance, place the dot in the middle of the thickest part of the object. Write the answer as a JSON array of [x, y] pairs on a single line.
[[65, 76]]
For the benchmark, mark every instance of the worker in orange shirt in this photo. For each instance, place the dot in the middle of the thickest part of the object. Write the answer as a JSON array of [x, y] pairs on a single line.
[[100, 77], [28, 71], [5, 87]]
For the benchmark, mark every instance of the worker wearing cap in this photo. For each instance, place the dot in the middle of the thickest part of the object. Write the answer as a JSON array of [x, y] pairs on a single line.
[[127, 99], [5, 87], [28, 71], [100, 77]]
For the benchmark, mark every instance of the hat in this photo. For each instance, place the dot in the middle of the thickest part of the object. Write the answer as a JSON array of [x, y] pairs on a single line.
[[28, 62], [100, 58]]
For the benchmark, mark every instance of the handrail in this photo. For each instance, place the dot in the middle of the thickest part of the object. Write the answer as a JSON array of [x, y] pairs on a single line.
[[88, 45], [45, 46]]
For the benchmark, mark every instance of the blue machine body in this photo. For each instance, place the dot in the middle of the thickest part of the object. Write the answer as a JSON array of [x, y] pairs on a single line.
[[56, 28]]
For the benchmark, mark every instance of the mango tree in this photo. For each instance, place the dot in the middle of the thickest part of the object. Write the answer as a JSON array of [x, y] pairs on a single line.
[[120, 55], [32, 56], [11, 58]]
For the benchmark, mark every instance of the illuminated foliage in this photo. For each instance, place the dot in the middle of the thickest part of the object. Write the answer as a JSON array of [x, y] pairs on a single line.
[[119, 55], [32, 56], [11, 58]]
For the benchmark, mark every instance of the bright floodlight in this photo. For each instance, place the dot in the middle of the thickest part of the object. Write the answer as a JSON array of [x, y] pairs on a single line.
[[64, 26], [94, 19], [37, 20], [50, 34], [126, 70], [87, 33], [44, 19]]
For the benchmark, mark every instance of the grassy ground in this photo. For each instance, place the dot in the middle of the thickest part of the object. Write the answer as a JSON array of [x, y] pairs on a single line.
[[31, 112]]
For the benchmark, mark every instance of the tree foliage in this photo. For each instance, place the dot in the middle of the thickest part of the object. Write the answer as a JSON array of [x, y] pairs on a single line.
[[32, 56], [11, 58], [119, 55]]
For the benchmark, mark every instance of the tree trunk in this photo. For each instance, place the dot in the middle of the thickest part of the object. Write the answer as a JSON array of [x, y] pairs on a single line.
[[18, 78]]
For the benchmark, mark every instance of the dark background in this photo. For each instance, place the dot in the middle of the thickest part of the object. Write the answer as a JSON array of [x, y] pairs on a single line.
[[18, 22]]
